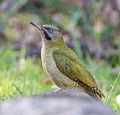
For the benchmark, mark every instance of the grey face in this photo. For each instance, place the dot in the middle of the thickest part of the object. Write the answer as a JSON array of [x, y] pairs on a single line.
[[51, 32]]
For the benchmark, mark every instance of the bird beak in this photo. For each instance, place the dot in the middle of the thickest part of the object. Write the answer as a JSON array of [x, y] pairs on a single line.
[[42, 31], [39, 27], [35, 25]]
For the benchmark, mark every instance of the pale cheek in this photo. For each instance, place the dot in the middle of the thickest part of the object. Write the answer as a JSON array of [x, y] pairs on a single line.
[[54, 36]]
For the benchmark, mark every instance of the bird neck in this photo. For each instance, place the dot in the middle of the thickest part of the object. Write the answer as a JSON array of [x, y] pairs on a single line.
[[60, 42], [54, 44]]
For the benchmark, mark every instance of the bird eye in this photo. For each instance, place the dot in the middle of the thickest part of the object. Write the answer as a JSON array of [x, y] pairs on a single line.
[[50, 30]]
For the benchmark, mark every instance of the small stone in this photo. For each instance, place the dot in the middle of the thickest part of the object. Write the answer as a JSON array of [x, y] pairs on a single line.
[[118, 99]]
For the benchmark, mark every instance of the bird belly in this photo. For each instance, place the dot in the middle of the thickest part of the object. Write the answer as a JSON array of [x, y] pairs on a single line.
[[57, 77]]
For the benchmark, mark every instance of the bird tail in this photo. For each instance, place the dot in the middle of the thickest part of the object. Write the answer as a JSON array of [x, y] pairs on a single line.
[[96, 94]]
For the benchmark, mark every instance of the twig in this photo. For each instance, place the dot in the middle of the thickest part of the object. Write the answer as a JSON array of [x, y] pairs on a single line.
[[112, 88], [20, 92]]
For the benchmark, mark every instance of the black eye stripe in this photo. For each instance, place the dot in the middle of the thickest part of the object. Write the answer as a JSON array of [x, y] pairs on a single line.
[[47, 36]]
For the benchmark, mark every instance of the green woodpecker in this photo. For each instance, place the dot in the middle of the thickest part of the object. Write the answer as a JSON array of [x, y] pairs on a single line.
[[62, 64]]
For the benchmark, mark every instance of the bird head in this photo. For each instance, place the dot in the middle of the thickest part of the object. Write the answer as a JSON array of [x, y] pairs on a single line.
[[49, 33]]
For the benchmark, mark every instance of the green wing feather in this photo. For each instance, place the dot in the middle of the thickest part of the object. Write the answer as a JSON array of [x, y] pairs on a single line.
[[68, 63]]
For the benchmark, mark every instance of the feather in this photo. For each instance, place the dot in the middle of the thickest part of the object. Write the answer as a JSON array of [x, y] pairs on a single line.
[[68, 63]]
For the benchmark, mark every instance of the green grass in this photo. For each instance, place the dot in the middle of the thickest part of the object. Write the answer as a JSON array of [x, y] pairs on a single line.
[[105, 79], [23, 77], [20, 77]]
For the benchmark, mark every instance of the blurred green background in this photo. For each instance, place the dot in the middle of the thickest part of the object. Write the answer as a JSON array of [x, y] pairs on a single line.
[[90, 27]]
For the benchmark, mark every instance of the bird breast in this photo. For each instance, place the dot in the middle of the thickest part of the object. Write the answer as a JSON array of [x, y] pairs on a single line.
[[51, 69]]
